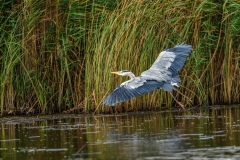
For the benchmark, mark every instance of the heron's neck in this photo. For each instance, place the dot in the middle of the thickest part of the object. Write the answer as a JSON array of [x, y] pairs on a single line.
[[131, 75]]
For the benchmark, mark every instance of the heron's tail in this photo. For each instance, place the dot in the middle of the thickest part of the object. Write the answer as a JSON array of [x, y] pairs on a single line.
[[175, 81]]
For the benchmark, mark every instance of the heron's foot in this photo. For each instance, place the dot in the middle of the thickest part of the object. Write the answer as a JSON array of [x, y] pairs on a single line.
[[181, 105]]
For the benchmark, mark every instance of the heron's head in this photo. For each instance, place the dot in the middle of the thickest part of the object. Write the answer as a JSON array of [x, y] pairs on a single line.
[[124, 73]]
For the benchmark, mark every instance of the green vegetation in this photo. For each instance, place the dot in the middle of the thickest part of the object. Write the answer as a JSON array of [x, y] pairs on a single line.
[[58, 56]]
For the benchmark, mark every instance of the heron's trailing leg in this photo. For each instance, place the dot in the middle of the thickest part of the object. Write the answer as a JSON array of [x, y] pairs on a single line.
[[184, 95], [115, 109], [179, 103]]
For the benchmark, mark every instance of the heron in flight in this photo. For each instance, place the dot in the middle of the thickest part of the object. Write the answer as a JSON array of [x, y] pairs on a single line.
[[162, 74]]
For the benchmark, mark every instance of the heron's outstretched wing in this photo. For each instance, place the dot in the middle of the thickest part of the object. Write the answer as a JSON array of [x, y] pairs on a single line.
[[172, 59], [131, 89]]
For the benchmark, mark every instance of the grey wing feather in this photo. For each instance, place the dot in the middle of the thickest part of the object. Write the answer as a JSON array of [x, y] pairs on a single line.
[[131, 89], [172, 59]]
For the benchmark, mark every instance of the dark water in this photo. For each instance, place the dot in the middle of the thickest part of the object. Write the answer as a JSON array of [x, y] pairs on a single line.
[[203, 134]]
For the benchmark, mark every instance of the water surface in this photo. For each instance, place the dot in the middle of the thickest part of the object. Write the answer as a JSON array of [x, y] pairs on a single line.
[[204, 134]]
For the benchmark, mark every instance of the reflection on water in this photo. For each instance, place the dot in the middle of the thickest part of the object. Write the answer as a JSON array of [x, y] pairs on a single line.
[[212, 133]]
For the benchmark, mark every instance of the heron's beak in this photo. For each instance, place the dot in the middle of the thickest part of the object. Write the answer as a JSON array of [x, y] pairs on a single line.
[[114, 72]]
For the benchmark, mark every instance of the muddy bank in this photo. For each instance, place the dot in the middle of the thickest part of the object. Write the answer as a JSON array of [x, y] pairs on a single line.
[[8, 119]]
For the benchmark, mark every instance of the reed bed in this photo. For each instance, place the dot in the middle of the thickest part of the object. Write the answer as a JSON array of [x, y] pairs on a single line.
[[57, 56]]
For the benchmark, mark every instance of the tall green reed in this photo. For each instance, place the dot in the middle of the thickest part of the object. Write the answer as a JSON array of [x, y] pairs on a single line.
[[57, 56], [131, 38]]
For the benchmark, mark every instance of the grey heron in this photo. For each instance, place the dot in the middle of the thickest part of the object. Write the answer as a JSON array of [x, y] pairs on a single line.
[[162, 74]]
